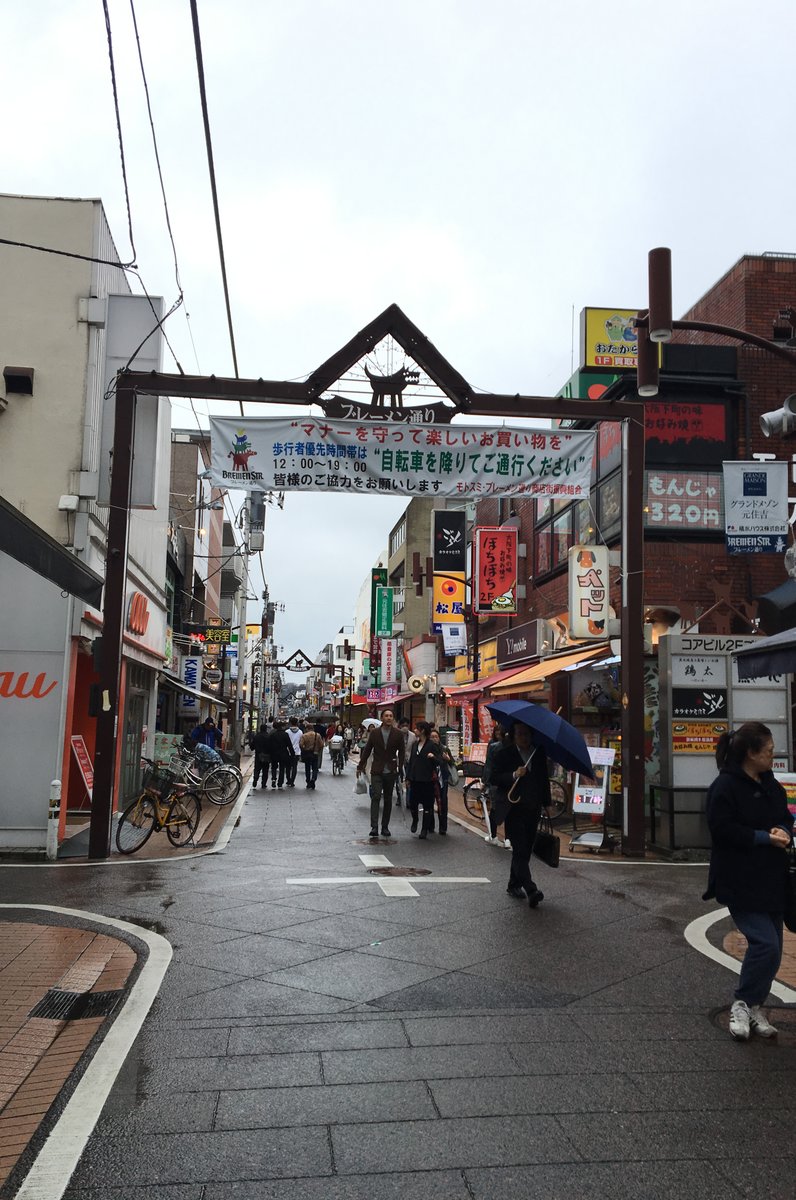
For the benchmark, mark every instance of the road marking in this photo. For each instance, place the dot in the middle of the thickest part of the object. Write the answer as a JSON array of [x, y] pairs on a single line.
[[696, 936], [391, 885], [49, 1176]]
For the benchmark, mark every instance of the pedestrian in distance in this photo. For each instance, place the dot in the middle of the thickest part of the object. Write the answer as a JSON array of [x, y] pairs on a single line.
[[262, 756], [294, 733], [311, 746], [348, 738], [384, 748], [521, 789], [280, 749], [442, 781], [750, 829], [424, 763]]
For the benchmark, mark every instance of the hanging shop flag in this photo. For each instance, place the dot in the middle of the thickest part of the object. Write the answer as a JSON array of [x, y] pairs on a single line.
[[450, 540], [495, 570], [447, 604], [378, 579], [389, 660], [310, 454], [756, 507], [588, 592]]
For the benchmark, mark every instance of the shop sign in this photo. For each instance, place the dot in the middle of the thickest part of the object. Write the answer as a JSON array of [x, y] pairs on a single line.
[[447, 600], [699, 669], [454, 638], [702, 704], [373, 695], [697, 737], [495, 570], [84, 763], [450, 545], [309, 454], [518, 645], [137, 614], [685, 501], [192, 678], [588, 592], [589, 792], [384, 610], [756, 507], [389, 659], [609, 338], [690, 431], [378, 579]]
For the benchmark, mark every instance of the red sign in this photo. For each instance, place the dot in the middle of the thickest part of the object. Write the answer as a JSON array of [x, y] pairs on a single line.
[[138, 614], [684, 422], [83, 761], [495, 570]]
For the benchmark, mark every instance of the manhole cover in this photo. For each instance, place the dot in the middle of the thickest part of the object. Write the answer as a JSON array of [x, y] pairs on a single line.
[[783, 1018], [403, 871], [381, 841]]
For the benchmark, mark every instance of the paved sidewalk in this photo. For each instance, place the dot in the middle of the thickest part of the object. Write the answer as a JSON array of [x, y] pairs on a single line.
[[330, 1040]]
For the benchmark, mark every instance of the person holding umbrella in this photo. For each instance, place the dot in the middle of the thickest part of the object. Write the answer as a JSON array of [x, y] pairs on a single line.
[[521, 790]]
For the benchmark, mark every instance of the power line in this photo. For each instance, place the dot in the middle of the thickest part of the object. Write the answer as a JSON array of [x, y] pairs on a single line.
[[119, 127], [211, 168]]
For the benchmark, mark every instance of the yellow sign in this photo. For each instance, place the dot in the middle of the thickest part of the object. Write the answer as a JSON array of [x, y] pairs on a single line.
[[448, 598], [608, 338], [253, 631], [696, 737]]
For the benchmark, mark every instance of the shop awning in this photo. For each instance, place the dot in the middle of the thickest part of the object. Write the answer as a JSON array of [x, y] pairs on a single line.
[[551, 666], [178, 686], [468, 691], [396, 699], [27, 543]]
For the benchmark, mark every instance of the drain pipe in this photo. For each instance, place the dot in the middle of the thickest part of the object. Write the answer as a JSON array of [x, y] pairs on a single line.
[[52, 820]]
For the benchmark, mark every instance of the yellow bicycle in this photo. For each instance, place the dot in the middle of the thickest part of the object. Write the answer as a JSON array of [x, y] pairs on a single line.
[[161, 805]]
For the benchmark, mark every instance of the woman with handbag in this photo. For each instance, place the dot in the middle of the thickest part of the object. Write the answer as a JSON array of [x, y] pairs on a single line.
[[521, 789], [750, 829], [444, 773], [424, 760]]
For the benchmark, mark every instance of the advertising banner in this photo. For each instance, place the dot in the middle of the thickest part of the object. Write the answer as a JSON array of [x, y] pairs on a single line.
[[384, 604], [590, 792], [447, 604], [495, 570], [378, 579], [697, 737], [450, 546], [314, 454], [588, 592], [756, 507], [191, 674], [389, 660], [684, 501]]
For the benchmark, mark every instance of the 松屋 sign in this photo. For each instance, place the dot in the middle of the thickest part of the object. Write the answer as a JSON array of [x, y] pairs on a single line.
[[315, 454], [495, 570], [756, 507], [588, 592]]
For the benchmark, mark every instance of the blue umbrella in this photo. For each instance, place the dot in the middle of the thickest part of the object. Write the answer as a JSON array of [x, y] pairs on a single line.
[[560, 741]]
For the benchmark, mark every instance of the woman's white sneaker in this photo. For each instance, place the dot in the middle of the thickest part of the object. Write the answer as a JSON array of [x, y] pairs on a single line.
[[760, 1023], [740, 1021]]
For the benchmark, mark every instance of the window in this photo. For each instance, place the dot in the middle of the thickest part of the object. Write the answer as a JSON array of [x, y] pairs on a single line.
[[397, 538]]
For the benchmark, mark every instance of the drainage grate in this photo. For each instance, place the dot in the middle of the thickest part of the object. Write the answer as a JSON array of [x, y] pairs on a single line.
[[58, 1005], [403, 872]]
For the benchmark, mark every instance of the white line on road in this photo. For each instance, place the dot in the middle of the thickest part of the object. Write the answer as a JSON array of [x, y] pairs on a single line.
[[49, 1176], [393, 885]]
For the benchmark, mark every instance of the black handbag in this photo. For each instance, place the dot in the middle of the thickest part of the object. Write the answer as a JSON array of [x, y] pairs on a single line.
[[789, 915], [547, 845]]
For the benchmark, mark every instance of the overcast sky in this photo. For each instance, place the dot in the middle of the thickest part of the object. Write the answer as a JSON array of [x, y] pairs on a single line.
[[491, 168]]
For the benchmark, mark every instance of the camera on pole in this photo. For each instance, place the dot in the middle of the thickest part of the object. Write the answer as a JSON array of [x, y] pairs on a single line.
[[782, 421]]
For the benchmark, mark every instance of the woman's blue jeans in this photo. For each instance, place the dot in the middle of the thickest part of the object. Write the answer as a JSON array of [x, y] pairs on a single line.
[[763, 932]]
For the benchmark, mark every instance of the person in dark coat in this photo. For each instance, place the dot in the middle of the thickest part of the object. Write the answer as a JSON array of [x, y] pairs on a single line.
[[750, 829], [425, 760], [441, 782], [262, 756], [384, 748], [280, 749], [520, 790]]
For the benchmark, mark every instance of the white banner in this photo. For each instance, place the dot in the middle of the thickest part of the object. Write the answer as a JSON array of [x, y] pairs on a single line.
[[389, 660], [588, 592], [756, 507], [454, 638], [306, 454]]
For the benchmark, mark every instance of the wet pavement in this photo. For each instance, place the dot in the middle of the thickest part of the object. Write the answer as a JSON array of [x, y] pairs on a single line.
[[422, 1036]]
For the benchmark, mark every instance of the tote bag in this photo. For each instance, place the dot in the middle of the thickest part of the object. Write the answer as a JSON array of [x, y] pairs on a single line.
[[547, 846]]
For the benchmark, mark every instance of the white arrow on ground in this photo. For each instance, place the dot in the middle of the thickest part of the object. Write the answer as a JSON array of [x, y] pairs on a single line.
[[390, 885]]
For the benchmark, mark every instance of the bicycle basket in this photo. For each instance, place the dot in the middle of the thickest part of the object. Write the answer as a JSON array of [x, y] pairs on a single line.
[[160, 780], [471, 770]]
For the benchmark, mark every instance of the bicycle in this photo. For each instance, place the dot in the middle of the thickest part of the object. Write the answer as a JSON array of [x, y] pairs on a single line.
[[338, 761], [161, 805], [203, 769]]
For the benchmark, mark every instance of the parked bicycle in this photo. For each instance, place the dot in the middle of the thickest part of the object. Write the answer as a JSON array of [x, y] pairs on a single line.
[[163, 804], [204, 770], [478, 800]]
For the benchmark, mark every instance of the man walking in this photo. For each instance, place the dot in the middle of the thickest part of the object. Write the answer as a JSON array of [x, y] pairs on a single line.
[[386, 745], [294, 733], [281, 750], [311, 745], [410, 738], [262, 756]]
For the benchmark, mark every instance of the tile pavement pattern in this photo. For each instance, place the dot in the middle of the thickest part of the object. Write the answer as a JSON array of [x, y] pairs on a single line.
[[332, 1043], [37, 1055]]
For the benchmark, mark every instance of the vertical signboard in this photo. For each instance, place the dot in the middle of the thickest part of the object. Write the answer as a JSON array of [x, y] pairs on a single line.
[[495, 570], [384, 607], [756, 507], [389, 660], [450, 566], [378, 579], [588, 592], [188, 706]]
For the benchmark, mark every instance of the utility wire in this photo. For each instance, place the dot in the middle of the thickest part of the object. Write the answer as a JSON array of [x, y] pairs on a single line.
[[119, 127], [211, 168]]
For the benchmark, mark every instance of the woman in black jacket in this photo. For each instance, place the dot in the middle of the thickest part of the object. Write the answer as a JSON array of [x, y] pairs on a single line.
[[529, 786], [750, 827], [425, 758]]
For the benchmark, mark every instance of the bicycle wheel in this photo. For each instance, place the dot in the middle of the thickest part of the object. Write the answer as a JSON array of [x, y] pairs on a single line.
[[337, 764], [559, 799], [135, 825], [472, 796], [222, 785], [183, 818]]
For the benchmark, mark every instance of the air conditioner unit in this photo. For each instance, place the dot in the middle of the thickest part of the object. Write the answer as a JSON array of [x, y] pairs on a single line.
[[416, 683]]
